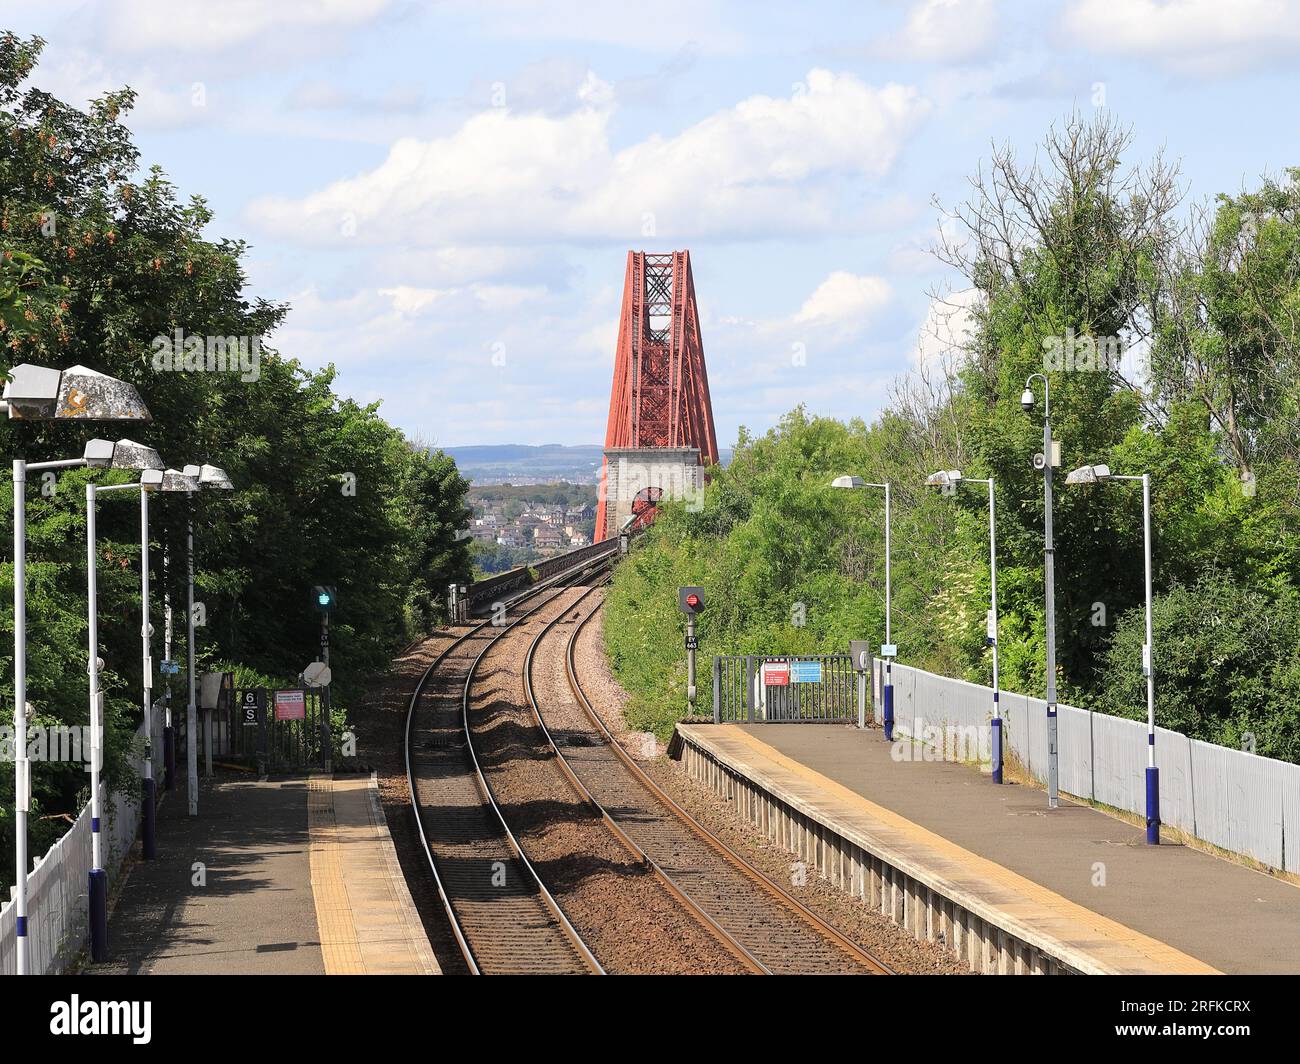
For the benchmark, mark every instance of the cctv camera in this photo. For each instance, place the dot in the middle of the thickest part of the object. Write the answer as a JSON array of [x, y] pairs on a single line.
[[1027, 400]]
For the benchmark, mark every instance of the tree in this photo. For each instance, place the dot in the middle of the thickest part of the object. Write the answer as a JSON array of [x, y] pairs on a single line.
[[106, 267]]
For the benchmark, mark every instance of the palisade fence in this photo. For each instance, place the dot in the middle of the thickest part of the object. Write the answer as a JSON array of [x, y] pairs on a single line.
[[1238, 801], [57, 903]]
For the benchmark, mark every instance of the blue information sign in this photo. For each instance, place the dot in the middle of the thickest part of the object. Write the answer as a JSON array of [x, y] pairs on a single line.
[[805, 672]]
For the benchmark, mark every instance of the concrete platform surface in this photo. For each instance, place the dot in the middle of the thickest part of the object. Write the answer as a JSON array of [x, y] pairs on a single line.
[[248, 886], [1231, 917]]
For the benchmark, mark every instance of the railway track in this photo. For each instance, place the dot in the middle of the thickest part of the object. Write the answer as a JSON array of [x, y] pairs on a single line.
[[500, 910], [756, 918], [502, 916]]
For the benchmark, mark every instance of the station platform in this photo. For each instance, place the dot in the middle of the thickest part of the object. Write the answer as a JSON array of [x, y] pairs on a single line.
[[989, 870], [281, 876]]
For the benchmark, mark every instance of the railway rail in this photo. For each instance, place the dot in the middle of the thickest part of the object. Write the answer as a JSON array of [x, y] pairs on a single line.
[[757, 918], [502, 916]]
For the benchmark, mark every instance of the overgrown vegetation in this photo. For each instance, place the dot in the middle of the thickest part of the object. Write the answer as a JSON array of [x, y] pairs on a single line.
[[100, 258], [1080, 253]]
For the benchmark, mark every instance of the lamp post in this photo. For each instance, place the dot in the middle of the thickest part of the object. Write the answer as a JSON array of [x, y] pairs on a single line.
[[888, 651], [1050, 458], [150, 478], [948, 479], [37, 393], [1092, 475], [190, 480]]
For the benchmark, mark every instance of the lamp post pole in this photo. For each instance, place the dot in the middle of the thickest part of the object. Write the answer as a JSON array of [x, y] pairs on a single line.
[[169, 731], [1093, 474], [98, 877], [889, 628], [149, 841], [996, 723], [39, 393], [1148, 665], [191, 710], [1049, 582], [948, 479], [888, 650], [22, 766]]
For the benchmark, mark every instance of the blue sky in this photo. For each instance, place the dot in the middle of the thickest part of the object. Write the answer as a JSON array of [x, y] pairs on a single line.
[[445, 192]]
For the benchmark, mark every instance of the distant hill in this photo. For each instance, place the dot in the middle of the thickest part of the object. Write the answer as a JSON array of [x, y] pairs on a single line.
[[517, 463], [547, 463]]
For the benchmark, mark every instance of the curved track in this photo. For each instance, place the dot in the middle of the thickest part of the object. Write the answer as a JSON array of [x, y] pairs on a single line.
[[757, 917], [501, 913], [502, 916]]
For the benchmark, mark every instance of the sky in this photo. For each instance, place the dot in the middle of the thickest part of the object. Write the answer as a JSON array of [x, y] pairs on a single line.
[[445, 193]]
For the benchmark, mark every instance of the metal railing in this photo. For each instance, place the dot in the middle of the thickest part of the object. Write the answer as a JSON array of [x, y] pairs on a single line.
[[1238, 801]]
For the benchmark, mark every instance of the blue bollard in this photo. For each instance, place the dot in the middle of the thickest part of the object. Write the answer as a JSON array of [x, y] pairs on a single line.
[[997, 749], [148, 811], [98, 915], [889, 712], [1153, 806]]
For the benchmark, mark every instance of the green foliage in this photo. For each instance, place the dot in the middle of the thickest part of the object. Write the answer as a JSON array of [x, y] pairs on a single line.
[[1074, 249], [1227, 665], [489, 558], [101, 262]]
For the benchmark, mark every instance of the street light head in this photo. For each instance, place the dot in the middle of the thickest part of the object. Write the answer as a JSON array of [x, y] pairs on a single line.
[[39, 393], [848, 482], [151, 479], [211, 476], [99, 453], [174, 480], [1027, 400], [127, 454], [1088, 474], [31, 391], [944, 478]]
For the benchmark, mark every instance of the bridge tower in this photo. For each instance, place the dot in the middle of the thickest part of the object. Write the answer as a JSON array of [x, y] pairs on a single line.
[[660, 436]]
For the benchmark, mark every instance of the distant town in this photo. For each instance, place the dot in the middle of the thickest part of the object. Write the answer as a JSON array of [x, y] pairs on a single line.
[[515, 524]]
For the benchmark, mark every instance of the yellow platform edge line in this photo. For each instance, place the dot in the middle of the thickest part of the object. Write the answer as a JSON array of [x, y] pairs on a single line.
[[344, 945]]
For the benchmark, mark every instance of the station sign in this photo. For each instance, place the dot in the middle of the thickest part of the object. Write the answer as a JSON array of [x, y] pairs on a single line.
[[252, 704], [776, 673], [290, 705]]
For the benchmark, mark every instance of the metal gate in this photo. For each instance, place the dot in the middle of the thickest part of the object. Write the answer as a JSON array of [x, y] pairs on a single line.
[[784, 689], [277, 731]]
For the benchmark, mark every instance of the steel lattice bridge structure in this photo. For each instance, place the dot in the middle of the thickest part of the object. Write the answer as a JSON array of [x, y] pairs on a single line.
[[660, 436]]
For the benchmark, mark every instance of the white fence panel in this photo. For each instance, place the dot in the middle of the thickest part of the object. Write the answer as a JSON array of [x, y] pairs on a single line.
[[57, 902], [1177, 797], [1074, 745], [1241, 802], [1120, 762]]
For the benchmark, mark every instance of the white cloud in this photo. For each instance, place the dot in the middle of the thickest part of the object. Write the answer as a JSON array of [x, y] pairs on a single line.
[[138, 26], [766, 166], [1190, 36], [945, 31], [672, 24], [947, 329], [844, 303]]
